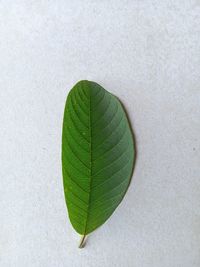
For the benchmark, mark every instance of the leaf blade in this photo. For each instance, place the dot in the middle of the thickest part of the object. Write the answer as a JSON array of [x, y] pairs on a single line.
[[97, 155]]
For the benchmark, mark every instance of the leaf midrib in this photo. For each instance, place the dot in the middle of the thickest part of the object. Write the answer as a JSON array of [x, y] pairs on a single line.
[[90, 145]]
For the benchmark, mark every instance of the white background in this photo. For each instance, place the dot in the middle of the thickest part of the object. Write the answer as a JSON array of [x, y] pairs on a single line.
[[148, 54]]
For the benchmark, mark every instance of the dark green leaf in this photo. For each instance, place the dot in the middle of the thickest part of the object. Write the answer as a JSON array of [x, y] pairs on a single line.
[[97, 155]]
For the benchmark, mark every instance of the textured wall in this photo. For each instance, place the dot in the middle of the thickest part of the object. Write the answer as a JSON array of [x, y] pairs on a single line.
[[148, 54]]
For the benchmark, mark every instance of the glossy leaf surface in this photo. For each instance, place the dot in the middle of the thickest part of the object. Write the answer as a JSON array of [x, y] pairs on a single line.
[[97, 155]]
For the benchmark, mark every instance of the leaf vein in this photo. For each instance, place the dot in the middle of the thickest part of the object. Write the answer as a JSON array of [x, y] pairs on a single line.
[[111, 175], [75, 195], [74, 124], [72, 136], [102, 129], [76, 155], [107, 137], [110, 149], [110, 164], [108, 192], [99, 119], [77, 115], [76, 95], [72, 179]]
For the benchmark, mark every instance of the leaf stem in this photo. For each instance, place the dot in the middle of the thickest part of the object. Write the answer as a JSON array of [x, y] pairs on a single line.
[[82, 241]]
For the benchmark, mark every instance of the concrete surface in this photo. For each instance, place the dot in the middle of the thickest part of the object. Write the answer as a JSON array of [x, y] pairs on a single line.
[[148, 54]]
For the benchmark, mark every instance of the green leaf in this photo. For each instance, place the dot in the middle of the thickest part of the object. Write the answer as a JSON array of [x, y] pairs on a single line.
[[97, 155]]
